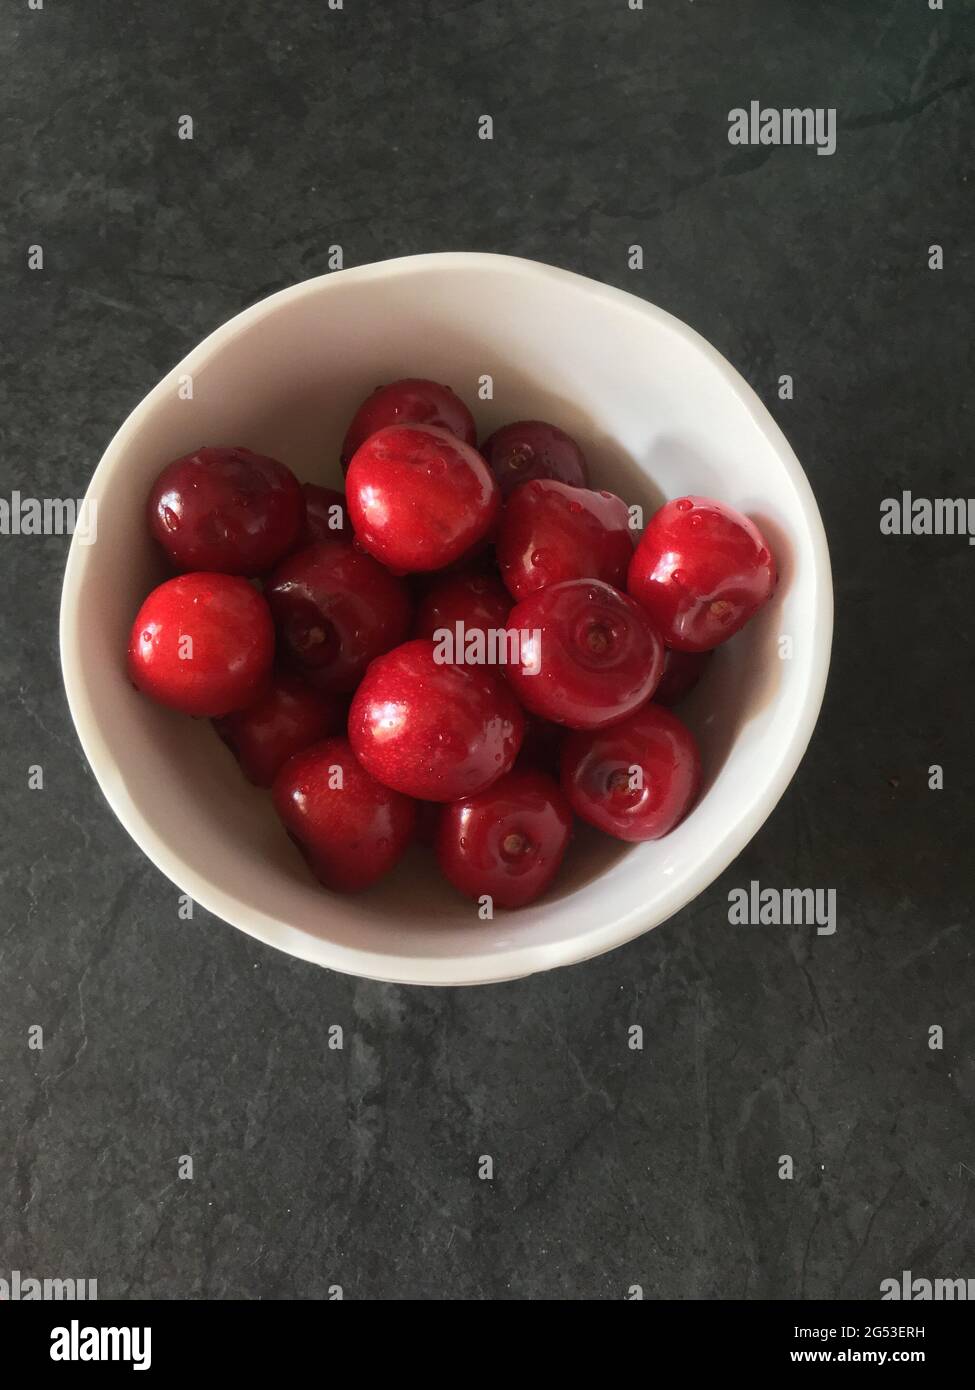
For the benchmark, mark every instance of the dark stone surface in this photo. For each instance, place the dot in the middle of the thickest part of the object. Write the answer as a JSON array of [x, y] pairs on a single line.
[[164, 1038]]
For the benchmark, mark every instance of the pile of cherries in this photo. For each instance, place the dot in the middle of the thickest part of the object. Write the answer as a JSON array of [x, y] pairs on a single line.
[[310, 627]]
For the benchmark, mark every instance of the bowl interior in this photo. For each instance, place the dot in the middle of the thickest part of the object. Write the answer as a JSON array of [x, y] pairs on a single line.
[[658, 413]]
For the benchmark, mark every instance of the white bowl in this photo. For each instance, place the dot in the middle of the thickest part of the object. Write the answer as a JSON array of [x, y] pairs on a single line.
[[658, 412]]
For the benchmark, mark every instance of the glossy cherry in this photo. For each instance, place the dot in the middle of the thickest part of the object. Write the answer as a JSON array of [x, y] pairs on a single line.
[[288, 718], [433, 730], [226, 510], [682, 671], [506, 842], [478, 601], [637, 780], [350, 829], [551, 532], [701, 571], [419, 498], [202, 644], [326, 517], [335, 609], [530, 449], [411, 401], [588, 654]]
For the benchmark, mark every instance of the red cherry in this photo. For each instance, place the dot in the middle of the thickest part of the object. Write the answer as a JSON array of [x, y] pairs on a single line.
[[226, 510], [682, 671], [350, 829], [288, 718], [506, 842], [326, 518], [411, 401], [588, 655], [532, 449], [637, 780], [701, 571], [476, 600], [551, 532], [419, 498], [202, 644], [335, 609], [432, 730], [480, 556]]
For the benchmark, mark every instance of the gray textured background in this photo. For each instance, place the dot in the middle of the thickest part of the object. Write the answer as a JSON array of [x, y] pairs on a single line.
[[164, 1037]]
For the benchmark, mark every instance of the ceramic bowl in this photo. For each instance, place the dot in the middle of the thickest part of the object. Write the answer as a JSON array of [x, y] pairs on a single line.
[[658, 412]]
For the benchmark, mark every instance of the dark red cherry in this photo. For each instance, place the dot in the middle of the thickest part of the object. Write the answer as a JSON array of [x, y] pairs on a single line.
[[419, 498], [335, 609], [326, 518], [350, 829], [636, 780], [701, 571], [682, 671], [588, 655], [226, 510], [530, 449], [506, 842], [476, 600], [551, 532], [433, 730], [411, 401], [202, 644], [288, 718]]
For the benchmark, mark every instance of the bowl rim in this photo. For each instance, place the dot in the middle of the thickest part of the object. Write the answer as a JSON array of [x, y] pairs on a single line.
[[513, 962]]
